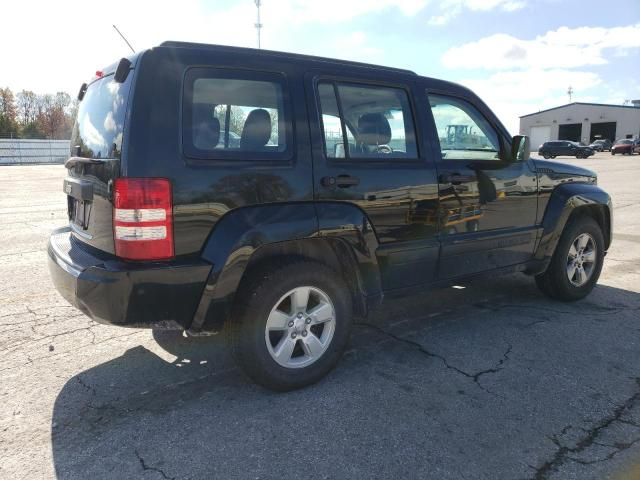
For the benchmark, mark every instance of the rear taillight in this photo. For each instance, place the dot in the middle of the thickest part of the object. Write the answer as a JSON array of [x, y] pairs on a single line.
[[143, 218]]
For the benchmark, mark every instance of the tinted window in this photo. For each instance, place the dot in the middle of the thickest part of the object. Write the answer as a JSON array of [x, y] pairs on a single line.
[[97, 132], [463, 132], [332, 126], [376, 121], [234, 117]]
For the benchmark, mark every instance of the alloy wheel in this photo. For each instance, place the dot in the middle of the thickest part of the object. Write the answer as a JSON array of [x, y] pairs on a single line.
[[581, 260], [300, 327]]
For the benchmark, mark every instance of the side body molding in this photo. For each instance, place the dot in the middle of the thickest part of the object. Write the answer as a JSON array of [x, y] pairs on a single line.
[[243, 233], [564, 200]]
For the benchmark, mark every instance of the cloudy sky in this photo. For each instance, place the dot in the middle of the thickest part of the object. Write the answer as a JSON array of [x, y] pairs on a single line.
[[519, 55]]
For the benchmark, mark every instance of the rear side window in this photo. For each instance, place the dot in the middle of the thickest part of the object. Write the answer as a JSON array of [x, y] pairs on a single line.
[[229, 115], [366, 122], [99, 125]]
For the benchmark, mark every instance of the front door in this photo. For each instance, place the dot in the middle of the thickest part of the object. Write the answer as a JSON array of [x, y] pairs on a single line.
[[487, 201], [366, 154]]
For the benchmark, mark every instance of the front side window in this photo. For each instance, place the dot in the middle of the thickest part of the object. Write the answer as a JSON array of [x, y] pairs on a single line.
[[463, 132], [366, 122], [233, 117]]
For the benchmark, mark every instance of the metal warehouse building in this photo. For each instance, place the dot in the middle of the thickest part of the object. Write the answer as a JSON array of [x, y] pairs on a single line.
[[582, 122]]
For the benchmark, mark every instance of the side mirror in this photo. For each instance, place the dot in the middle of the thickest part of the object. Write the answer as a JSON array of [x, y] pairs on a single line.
[[520, 148]]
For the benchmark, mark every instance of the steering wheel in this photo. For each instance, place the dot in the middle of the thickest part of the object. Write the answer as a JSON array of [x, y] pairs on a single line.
[[384, 149]]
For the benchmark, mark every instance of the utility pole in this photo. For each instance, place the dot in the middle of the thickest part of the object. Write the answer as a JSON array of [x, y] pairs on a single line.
[[258, 25], [570, 92]]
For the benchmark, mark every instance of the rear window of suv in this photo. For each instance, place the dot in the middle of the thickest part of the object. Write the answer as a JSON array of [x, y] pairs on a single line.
[[99, 125], [235, 115]]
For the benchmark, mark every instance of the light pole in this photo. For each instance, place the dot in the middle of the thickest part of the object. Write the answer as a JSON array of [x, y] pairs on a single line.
[[570, 92], [258, 25]]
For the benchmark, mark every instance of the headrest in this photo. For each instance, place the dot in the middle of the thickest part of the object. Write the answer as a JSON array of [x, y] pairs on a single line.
[[205, 128], [256, 131], [374, 129]]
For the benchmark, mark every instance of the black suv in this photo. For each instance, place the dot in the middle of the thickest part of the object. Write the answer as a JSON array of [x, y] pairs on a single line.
[[566, 148], [280, 196], [601, 145]]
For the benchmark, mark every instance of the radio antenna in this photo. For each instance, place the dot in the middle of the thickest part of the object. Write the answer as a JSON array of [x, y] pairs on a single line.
[[123, 38]]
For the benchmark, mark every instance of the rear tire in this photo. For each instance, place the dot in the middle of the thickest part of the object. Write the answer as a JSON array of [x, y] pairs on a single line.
[[562, 280], [276, 338]]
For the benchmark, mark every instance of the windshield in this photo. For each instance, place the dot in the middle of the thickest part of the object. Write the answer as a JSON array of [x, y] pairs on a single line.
[[623, 142], [97, 132]]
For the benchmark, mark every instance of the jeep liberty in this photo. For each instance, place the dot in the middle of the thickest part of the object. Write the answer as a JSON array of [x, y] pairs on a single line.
[[279, 196]]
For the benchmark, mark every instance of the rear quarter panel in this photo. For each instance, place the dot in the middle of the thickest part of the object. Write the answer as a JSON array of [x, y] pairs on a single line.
[[205, 190]]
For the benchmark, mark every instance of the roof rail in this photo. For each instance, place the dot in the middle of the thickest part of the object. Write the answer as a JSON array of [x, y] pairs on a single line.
[[274, 53]]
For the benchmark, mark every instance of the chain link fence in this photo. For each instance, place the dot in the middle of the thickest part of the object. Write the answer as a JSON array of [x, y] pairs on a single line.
[[21, 151]]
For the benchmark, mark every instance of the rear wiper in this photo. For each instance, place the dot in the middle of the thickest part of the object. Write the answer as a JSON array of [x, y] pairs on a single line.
[[73, 161]]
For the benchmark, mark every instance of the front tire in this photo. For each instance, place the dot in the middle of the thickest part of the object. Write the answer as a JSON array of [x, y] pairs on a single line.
[[576, 263], [292, 322]]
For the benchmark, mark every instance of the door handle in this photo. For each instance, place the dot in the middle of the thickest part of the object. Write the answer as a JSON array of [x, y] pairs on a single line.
[[341, 181], [456, 178]]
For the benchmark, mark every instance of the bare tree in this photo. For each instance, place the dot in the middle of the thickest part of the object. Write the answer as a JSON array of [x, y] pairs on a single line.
[[52, 116], [8, 120], [27, 103]]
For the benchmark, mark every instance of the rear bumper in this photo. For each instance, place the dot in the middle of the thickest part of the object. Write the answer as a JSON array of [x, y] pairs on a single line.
[[151, 294]]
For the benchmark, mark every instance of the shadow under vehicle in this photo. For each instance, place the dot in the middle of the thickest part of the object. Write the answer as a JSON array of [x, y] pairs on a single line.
[[498, 360]]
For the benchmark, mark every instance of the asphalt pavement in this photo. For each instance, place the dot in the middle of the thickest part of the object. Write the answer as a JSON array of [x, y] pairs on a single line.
[[490, 380]]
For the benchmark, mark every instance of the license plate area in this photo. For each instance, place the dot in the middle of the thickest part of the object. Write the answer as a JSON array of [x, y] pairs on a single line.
[[79, 201], [79, 212]]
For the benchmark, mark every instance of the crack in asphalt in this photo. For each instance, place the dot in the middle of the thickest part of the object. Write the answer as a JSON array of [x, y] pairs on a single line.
[[20, 253], [67, 352], [565, 453], [600, 309], [146, 467], [16, 346], [473, 376]]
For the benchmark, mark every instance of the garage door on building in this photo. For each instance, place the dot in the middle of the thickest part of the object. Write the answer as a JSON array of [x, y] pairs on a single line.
[[603, 130], [539, 135], [570, 131]]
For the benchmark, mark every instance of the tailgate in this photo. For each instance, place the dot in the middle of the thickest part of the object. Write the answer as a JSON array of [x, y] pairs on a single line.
[[96, 148], [89, 203]]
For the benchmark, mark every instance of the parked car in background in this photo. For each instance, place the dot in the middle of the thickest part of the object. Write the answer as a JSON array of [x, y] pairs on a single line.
[[601, 145], [626, 146], [565, 148]]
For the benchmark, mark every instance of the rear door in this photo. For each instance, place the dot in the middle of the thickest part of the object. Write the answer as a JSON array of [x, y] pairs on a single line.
[[568, 148], [488, 202], [366, 153], [94, 163]]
